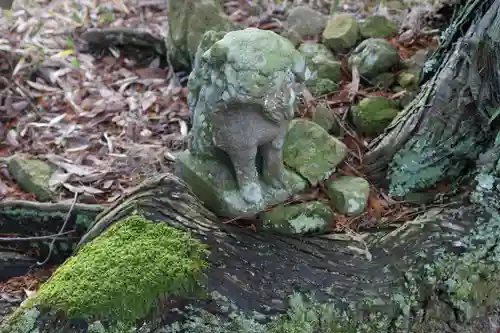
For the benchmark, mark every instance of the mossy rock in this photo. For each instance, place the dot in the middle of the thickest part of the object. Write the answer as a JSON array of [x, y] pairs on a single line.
[[306, 21], [383, 80], [321, 61], [32, 176], [183, 39], [311, 49], [306, 218], [377, 26], [349, 194], [341, 33], [408, 79], [373, 114], [121, 275], [311, 152], [374, 56]]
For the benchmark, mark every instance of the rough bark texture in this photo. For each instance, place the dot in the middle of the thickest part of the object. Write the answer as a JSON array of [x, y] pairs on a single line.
[[29, 228], [437, 273], [441, 133]]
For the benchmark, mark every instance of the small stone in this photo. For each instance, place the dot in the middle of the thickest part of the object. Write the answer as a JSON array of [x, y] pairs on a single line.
[[377, 26], [373, 114], [293, 37], [32, 176], [407, 79], [306, 21], [308, 218], [324, 117], [383, 80], [341, 33], [311, 152], [321, 61], [374, 56], [311, 49], [349, 194]]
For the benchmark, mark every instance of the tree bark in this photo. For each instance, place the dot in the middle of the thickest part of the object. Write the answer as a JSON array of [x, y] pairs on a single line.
[[437, 273], [441, 133]]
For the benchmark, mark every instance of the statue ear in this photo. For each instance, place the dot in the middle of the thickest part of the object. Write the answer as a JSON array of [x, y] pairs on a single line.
[[216, 55]]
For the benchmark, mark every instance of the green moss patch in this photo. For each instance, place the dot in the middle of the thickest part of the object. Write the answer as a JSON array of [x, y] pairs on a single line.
[[121, 274]]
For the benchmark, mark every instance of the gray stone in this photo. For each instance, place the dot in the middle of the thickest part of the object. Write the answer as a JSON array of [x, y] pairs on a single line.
[[306, 21], [374, 56], [32, 176], [314, 217], [243, 94], [349, 194], [377, 26], [373, 114], [311, 151], [341, 33]]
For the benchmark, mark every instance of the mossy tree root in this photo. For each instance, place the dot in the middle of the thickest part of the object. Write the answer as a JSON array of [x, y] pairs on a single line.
[[438, 271]]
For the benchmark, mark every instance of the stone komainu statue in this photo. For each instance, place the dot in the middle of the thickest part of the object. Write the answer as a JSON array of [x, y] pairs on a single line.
[[243, 95]]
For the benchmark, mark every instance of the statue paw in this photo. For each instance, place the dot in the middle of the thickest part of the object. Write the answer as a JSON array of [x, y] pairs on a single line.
[[275, 182], [252, 193]]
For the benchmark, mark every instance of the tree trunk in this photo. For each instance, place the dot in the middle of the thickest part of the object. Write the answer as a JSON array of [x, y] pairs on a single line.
[[142, 266], [441, 133]]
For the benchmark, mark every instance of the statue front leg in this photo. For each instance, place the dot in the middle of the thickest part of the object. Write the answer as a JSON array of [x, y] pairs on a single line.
[[243, 160], [272, 169]]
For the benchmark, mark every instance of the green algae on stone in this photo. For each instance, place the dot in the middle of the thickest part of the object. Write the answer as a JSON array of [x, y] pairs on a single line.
[[188, 21], [32, 176], [341, 32], [373, 114], [121, 274], [407, 79], [349, 194], [311, 151], [374, 56], [311, 217], [321, 61], [383, 80], [377, 26]]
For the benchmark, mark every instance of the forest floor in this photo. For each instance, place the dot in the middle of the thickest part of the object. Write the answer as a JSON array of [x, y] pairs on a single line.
[[109, 124]]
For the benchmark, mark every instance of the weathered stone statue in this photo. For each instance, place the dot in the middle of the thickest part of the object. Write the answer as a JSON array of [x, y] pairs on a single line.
[[243, 94]]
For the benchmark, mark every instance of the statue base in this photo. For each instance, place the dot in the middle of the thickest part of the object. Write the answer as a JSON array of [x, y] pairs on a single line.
[[215, 184]]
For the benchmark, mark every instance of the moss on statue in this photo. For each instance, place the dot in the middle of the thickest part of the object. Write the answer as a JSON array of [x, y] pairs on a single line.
[[121, 275]]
